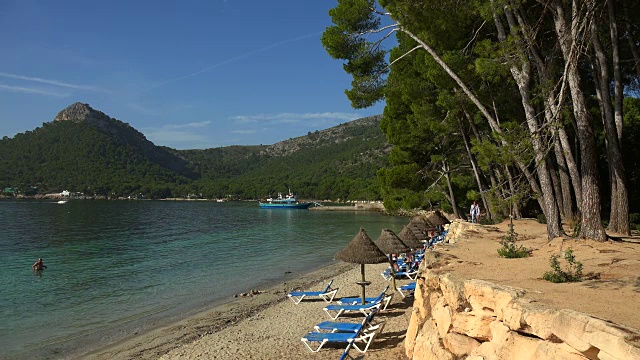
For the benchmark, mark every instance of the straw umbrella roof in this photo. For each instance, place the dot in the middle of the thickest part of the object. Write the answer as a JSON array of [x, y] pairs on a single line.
[[362, 250], [409, 238], [420, 227], [390, 243], [436, 218]]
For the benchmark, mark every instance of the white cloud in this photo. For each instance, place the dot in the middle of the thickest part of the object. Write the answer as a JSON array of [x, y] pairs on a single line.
[[180, 136], [289, 118], [32, 91], [200, 124], [244, 132], [174, 137], [50, 82]]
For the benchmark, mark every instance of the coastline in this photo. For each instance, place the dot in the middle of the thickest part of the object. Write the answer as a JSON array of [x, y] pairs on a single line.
[[178, 336], [269, 326]]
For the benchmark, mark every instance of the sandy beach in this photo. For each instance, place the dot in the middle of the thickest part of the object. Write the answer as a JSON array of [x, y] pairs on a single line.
[[269, 326]]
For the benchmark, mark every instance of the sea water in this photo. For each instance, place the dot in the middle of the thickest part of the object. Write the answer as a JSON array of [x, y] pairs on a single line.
[[118, 267]]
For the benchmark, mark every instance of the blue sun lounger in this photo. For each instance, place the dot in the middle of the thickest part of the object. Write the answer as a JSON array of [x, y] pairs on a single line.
[[350, 338], [365, 309], [327, 294], [409, 288], [411, 274], [383, 297], [339, 326]]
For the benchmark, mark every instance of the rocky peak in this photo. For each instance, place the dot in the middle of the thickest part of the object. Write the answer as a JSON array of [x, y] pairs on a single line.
[[79, 112]]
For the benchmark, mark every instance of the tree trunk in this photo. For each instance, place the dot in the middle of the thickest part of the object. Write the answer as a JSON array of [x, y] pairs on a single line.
[[522, 76], [617, 74], [452, 199], [475, 167], [515, 207], [493, 123], [568, 37], [632, 42], [565, 182], [572, 166], [619, 216], [552, 116], [557, 190]]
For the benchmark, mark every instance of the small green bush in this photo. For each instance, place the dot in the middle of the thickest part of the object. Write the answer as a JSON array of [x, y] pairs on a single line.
[[541, 218], [509, 248], [557, 275], [575, 223]]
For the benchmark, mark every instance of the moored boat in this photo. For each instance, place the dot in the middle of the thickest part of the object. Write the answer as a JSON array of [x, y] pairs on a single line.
[[287, 202]]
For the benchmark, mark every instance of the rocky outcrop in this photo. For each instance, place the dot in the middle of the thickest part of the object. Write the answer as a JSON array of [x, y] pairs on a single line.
[[461, 229], [124, 134], [454, 318], [328, 137]]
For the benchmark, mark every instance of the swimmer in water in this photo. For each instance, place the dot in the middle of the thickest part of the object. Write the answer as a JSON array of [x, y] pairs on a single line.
[[39, 265]]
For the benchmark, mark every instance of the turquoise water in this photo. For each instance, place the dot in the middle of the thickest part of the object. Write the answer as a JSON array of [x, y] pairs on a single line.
[[118, 267]]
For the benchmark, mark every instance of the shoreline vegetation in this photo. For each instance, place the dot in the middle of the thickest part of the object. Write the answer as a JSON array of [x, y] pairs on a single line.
[[344, 206], [267, 325]]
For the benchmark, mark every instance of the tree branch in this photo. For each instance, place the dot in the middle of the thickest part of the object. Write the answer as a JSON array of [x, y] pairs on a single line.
[[403, 55]]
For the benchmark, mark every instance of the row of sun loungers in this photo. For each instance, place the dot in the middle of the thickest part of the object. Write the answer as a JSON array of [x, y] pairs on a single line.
[[358, 335], [407, 290], [327, 294]]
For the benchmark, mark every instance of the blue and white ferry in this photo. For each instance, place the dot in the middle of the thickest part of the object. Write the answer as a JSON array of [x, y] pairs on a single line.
[[287, 202]]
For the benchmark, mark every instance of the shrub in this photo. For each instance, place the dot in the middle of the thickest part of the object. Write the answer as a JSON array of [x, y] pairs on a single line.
[[509, 248], [541, 218], [557, 275], [576, 224]]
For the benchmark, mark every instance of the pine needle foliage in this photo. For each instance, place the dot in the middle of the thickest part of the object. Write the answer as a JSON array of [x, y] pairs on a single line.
[[509, 248], [573, 272]]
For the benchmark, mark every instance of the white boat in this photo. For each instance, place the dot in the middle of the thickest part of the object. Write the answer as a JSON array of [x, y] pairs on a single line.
[[288, 202], [62, 202]]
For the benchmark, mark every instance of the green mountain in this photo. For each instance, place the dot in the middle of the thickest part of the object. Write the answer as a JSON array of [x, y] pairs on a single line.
[[84, 150]]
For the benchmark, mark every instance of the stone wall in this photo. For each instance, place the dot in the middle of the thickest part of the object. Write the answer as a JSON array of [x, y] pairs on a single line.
[[472, 319]]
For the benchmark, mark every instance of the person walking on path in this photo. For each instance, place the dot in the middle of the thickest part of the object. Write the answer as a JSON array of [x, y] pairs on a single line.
[[474, 212]]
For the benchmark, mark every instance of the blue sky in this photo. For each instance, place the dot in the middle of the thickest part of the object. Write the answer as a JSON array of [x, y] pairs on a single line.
[[187, 74]]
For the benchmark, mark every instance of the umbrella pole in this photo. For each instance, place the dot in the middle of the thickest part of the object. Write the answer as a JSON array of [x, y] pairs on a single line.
[[363, 283], [393, 274]]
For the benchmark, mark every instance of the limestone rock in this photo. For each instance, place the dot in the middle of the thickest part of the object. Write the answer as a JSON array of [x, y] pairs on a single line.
[[486, 296], [428, 345], [411, 334], [460, 345], [473, 325], [442, 316], [530, 318], [453, 291], [593, 336]]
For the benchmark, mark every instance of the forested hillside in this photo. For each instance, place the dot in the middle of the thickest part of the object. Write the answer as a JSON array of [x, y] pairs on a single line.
[[84, 150], [529, 107], [337, 163]]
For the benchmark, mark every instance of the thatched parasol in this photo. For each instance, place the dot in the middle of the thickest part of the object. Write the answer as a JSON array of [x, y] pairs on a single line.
[[420, 227], [436, 218], [409, 238], [361, 250], [390, 243]]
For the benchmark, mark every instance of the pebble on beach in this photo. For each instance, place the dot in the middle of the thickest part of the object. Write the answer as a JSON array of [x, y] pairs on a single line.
[[249, 294]]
